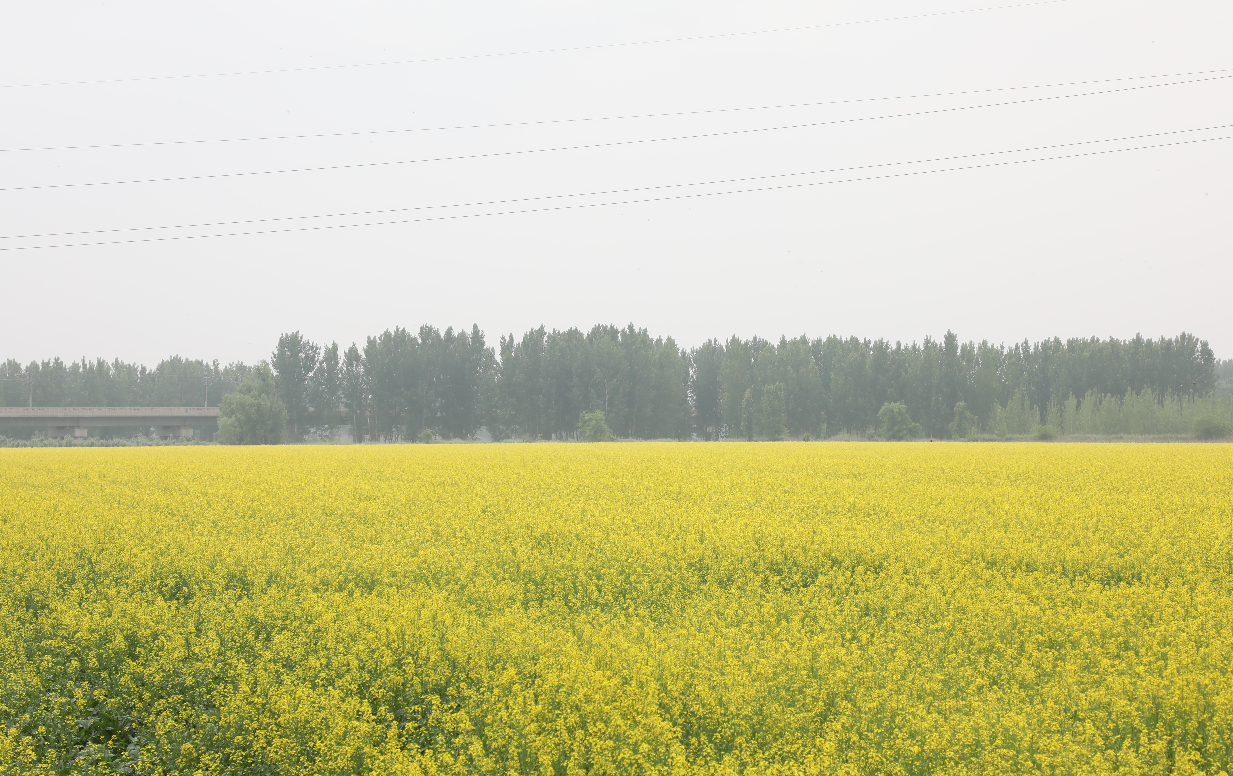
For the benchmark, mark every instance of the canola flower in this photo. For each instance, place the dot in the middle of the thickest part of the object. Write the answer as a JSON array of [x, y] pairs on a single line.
[[618, 609]]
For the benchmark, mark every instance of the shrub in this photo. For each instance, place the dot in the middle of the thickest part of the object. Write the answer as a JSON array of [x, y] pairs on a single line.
[[593, 427], [964, 424], [1045, 433], [1211, 427], [253, 414], [896, 423]]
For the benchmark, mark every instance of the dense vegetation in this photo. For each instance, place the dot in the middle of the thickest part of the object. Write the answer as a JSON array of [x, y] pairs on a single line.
[[175, 382], [403, 385], [853, 609]]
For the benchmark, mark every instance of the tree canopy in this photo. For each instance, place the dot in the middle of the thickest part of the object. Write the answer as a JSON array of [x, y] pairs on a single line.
[[399, 384], [253, 414]]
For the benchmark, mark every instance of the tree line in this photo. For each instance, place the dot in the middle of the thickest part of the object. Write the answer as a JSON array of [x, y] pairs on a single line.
[[175, 382], [406, 386], [401, 385]]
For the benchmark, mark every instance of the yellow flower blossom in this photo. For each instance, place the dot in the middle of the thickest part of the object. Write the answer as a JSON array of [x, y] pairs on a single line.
[[788, 608]]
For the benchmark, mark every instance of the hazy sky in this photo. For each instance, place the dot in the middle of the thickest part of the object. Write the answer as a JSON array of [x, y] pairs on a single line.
[[1101, 244]]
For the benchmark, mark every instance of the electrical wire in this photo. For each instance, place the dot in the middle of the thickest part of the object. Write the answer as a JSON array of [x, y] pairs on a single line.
[[527, 52], [609, 192], [672, 197], [611, 144], [627, 117]]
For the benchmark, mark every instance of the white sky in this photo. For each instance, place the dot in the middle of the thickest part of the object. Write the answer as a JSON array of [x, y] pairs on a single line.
[[1109, 244]]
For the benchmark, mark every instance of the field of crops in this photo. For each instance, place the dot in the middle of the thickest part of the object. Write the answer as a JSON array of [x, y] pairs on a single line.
[[823, 608]]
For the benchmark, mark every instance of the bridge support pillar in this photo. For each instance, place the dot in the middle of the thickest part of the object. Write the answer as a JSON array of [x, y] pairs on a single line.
[[59, 432]]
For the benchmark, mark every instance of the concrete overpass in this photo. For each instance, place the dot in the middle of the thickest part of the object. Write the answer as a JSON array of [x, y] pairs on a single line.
[[76, 421]]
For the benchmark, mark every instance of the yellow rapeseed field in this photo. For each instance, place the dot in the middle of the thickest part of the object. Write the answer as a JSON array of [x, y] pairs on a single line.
[[823, 608]]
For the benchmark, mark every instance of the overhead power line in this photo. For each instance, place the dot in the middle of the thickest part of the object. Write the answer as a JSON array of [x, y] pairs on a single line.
[[614, 191], [527, 52], [778, 187], [625, 117], [610, 144]]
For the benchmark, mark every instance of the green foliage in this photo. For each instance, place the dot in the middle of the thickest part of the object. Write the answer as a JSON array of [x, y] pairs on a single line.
[[326, 391], [1224, 377], [428, 379], [294, 361], [771, 415], [1211, 427], [396, 384], [354, 395], [546, 380], [748, 412], [1045, 433], [706, 364], [425, 437], [896, 423], [253, 414], [964, 424], [174, 382], [593, 427]]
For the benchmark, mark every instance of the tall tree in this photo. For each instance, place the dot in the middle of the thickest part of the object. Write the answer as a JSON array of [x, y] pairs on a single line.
[[325, 391], [401, 385], [705, 363], [253, 414], [355, 391], [294, 360], [772, 416], [735, 380], [669, 415]]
